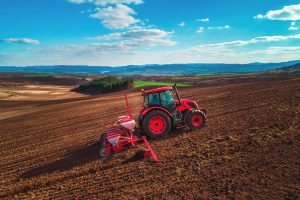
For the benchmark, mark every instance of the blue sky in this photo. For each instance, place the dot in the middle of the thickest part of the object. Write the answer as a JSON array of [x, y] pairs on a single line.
[[123, 32]]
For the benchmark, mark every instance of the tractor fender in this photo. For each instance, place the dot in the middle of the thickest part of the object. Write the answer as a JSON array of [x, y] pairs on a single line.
[[186, 104], [146, 111]]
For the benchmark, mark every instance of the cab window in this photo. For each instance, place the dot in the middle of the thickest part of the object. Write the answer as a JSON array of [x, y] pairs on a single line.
[[153, 99], [169, 97], [163, 99], [167, 100], [145, 100]]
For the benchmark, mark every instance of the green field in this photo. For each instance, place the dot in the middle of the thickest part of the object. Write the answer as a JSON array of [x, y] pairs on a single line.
[[153, 83]]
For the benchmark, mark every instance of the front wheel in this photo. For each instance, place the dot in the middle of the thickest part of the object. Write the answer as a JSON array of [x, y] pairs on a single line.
[[157, 124], [195, 119]]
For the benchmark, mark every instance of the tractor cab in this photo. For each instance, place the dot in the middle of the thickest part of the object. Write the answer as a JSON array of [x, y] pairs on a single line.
[[162, 97]]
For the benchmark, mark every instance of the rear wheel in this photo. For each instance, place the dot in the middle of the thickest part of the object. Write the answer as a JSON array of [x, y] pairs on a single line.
[[157, 124], [104, 149], [195, 119]]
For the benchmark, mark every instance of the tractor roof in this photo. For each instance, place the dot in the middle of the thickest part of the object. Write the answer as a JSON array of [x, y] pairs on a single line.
[[158, 90]]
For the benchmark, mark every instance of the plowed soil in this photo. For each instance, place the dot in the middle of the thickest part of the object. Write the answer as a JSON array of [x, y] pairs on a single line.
[[249, 149]]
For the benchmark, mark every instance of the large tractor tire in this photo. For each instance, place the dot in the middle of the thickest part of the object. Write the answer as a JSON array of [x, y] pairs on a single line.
[[157, 124], [195, 119], [103, 147]]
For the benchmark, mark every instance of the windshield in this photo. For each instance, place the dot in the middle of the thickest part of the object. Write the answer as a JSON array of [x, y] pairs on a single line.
[[164, 98]]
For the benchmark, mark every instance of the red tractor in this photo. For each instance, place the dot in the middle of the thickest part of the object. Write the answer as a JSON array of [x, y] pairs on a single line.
[[159, 115], [161, 112]]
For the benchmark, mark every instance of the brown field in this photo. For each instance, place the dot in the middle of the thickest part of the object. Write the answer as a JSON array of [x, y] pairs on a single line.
[[249, 149]]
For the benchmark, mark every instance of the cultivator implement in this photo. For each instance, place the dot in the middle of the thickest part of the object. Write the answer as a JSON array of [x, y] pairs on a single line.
[[122, 134]]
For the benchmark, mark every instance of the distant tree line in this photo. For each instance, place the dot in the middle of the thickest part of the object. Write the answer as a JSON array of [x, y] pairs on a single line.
[[105, 85]]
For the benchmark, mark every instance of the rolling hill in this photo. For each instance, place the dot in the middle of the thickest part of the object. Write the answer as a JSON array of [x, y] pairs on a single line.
[[152, 69]]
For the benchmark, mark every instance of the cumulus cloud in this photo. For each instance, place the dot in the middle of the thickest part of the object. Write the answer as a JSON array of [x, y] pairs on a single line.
[[287, 13], [182, 24], [140, 37], [259, 16], [293, 27], [113, 14], [203, 20], [136, 34], [20, 40], [117, 17], [122, 43], [106, 2]]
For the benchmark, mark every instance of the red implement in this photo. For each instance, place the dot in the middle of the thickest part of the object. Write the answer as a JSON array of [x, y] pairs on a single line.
[[122, 134]]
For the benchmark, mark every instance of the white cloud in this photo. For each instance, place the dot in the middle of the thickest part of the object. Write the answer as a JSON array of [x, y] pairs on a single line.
[[20, 40], [114, 14], [105, 50], [276, 53], [127, 43], [259, 16], [95, 49], [218, 27], [285, 48], [293, 27], [144, 42], [136, 34], [182, 24], [200, 29], [135, 27], [287, 13], [117, 17], [106, 2], [111, 36], [140, 37], [96, 54], [278, 50], [238, 43], [203, 20]]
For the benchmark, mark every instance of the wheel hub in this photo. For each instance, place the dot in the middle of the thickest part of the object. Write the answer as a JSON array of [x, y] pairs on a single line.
[[157, 124], [197, 120]]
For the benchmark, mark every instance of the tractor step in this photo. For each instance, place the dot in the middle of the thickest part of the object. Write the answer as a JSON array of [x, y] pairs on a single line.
[[180, 126]]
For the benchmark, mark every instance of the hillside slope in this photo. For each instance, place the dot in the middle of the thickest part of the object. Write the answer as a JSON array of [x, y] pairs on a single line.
[[152, 69], [288, 69]]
